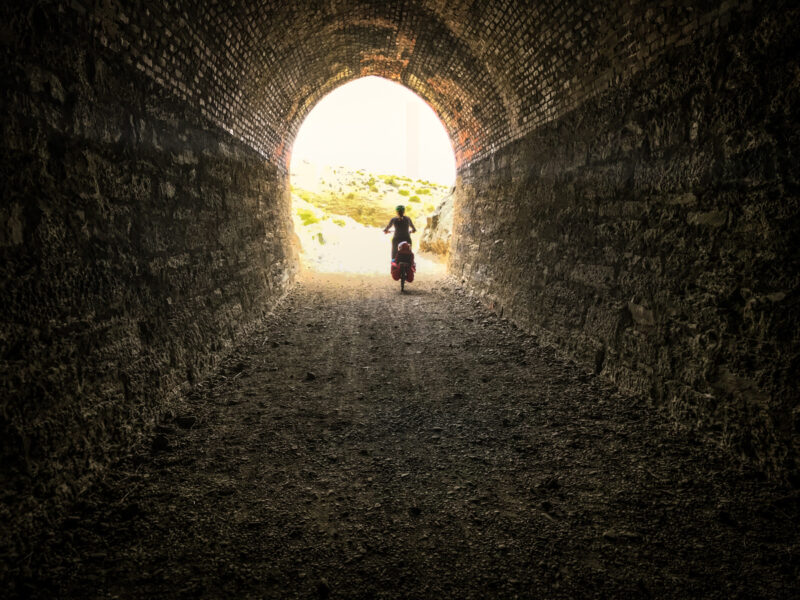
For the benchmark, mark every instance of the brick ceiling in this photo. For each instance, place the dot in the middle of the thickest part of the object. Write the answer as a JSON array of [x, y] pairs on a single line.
[[492, 70]]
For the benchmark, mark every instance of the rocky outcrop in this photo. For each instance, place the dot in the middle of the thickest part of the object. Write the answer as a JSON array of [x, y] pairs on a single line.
[[439, 229]]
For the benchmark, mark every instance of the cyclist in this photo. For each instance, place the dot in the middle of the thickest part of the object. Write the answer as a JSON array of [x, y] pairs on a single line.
[[403, 228]]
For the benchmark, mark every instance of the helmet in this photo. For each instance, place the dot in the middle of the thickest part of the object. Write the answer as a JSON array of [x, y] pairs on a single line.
[[403, 246], [400, 208]]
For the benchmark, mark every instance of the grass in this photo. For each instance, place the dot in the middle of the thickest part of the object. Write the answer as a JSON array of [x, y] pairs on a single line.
[[307, 217], [361, 209], [367, 198]]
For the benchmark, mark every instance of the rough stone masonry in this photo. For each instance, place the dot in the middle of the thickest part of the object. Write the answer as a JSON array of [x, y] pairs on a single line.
[[628, 190]]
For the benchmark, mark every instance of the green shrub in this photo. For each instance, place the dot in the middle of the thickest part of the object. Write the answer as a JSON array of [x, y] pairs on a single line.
[[357, 208], [423, 191], [404, 192], [305, 195], [308, 217], [414, 199], [339, 222]]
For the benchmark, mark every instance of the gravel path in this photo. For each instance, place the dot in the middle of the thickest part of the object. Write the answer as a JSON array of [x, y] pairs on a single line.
[[364, 444]]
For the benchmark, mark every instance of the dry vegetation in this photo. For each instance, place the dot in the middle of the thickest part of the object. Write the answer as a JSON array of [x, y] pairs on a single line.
[[366, 198]]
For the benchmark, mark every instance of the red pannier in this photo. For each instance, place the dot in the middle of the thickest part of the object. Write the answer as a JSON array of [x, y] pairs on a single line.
[[409, 272]]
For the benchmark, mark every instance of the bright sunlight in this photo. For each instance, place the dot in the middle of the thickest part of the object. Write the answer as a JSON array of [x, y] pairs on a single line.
[[380, 126], [366, 147]]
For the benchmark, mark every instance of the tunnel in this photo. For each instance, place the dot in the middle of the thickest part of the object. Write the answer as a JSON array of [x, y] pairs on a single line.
[[626, 197]]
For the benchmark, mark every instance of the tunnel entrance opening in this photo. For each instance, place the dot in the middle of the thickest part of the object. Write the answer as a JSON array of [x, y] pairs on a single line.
[[365, 148]]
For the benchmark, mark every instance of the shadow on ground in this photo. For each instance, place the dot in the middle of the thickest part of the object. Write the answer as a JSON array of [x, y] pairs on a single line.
[[366, 445]]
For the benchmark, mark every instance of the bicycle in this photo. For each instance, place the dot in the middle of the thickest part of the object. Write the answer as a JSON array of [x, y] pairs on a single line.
[[403, 276]]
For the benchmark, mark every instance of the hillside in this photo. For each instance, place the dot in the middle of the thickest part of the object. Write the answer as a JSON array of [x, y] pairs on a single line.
[[368, 199]]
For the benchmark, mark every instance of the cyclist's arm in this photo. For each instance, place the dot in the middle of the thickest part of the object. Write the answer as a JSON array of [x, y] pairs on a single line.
[[410, 222], [386, 229]]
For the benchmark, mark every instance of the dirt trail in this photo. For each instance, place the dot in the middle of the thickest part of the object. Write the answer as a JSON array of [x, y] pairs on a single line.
[[364, 444]]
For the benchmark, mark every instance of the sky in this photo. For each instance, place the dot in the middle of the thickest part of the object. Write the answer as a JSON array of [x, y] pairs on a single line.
[[377, 125]]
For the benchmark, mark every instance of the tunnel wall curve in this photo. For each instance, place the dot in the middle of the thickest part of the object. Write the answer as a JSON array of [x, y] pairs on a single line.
[[613, 197], [139, 241], [651, 235]]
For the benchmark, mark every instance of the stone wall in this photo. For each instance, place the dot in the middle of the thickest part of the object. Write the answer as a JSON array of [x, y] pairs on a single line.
[[628, 189], [137, 241], [652, 234]]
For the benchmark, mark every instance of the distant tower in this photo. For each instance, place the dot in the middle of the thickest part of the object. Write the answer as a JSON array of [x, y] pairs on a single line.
[[412, 140]]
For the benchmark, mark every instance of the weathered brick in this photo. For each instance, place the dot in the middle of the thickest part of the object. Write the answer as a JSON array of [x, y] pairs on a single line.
[[665, 216], [627, 189]]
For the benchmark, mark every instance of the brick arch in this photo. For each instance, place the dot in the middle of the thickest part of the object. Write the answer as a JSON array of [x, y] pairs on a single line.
[[278, 85], [493, 71], [614, 158]]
